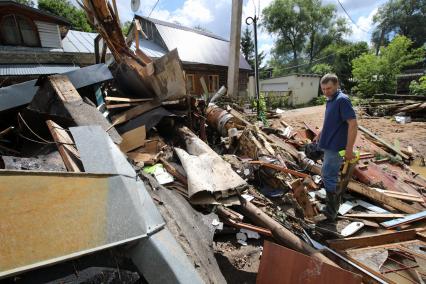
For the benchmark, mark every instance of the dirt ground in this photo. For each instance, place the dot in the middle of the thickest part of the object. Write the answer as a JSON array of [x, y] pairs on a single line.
[[411, 134]]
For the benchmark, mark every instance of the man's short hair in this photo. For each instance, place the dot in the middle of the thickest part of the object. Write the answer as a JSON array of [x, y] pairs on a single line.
[[330, 77]]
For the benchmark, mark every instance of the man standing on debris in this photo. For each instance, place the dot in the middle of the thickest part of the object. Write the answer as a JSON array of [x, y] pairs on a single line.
[[338, 133]]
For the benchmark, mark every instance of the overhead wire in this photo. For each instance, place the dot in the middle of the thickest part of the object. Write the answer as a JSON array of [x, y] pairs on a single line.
[[350, 18], [153, 8]]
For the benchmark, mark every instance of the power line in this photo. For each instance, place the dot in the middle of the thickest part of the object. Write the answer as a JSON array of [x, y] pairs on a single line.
[[308, 63], [350, 18], [152, 10]]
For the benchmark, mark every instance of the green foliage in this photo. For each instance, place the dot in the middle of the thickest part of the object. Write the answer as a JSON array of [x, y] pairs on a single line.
[[65, 9], [377, 74], [340, 57], [262, 107], [418, 88], [126, 27], [25, 2], [320, 100], [400, 17], [322, 69], [302, 27]]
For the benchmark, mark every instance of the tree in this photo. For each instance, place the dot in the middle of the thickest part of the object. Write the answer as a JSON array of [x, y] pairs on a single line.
[[418, 88], [125, 27], [303, 27], [247, 45], [247, 48], [65, 9], [322, 69], [339, 57], [25, 2], [375, 74], [402, 17]]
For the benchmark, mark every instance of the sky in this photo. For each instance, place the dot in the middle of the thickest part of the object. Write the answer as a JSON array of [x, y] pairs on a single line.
[[215, 16]]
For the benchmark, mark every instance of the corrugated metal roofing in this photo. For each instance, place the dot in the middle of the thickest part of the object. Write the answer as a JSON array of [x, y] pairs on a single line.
[[81, 42], [150, 48], [34, 69], [195, 46]]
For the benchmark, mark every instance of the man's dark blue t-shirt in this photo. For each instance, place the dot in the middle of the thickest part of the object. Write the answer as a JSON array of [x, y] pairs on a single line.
[[334, 134]]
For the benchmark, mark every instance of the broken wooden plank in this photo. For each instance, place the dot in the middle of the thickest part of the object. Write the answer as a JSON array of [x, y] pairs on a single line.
[[239, 116], [380, 197], [64, 144], [404, 220], [146, 158], [281, 234], [123, 105], [126, 100], [387, 144], [373, 240], [134, 112], [133, 139], [58, 98], [375, 215], [280, 168], [302, 197], [174, 172]]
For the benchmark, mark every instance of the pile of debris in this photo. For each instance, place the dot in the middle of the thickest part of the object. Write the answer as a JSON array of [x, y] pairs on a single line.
[[105, 156], [396, 105]]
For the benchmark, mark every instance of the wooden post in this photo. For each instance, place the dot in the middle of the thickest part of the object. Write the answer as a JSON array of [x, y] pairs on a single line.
[[234, 48]]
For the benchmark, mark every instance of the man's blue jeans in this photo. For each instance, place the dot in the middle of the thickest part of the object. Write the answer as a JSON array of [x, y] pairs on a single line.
[[330, 170]]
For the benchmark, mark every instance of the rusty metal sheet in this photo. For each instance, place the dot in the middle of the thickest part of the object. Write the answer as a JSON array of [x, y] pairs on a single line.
[[281, 265], [51, 217]]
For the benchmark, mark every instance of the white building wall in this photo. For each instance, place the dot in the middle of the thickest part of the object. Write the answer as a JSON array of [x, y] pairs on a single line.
[[302, 89]]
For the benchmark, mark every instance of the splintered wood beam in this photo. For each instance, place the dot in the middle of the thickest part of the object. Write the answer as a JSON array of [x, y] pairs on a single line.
[[302, 197], [380, 197], [126, 100], [174, 172], [373, 240], [388, 145], [134, 112], [64, 143]]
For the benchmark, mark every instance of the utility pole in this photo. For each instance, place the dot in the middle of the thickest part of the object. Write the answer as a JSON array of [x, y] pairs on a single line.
[[256, 63], [234, 48]]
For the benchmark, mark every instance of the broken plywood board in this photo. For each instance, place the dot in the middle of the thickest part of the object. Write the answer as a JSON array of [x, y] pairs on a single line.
[[133, 139], [373, 240], [134, 112], [380, 197], [66, 148], [298, 268]]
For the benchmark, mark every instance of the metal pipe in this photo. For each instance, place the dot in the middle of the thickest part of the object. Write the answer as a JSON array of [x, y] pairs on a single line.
[[256, 63]]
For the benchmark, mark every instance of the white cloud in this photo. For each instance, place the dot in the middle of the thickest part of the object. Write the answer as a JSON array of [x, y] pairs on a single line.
[[363, 28]]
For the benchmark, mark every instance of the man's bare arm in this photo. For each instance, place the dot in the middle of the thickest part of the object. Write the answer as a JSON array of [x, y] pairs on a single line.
[[352, 132]]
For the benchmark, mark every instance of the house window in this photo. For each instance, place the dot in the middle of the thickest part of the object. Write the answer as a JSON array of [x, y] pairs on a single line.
[[18, 30], [190, 83], [213, 83]]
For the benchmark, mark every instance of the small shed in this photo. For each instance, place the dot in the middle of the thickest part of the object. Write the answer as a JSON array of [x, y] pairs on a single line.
[[299, 88]]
